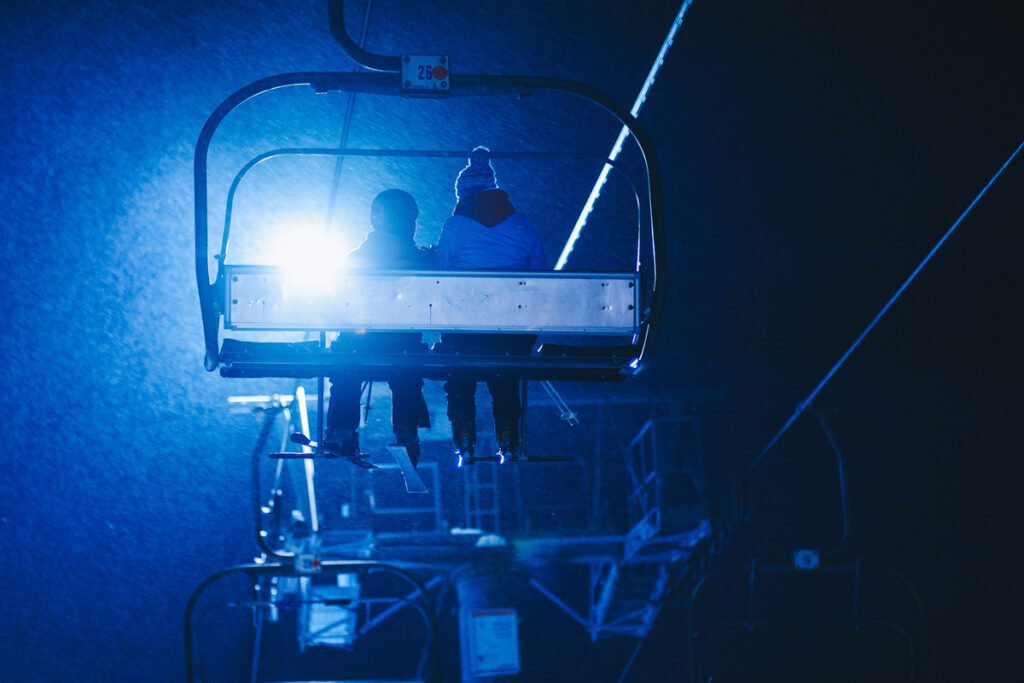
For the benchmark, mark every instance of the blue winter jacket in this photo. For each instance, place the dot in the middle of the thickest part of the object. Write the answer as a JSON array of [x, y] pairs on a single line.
[[486, 233]]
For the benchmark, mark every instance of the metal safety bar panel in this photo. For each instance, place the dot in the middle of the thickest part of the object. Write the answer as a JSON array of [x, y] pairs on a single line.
[[268, 298]]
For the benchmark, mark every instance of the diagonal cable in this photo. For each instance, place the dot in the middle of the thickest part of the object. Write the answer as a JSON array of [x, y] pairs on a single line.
[[805, 404], [345, 126], [638, 103]]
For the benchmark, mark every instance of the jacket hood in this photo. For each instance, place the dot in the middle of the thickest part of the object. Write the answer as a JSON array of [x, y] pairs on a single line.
[[488, 208]]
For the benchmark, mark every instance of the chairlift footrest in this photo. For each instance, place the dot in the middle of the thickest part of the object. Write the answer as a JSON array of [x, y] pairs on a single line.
[[302, 360], [362, 461]]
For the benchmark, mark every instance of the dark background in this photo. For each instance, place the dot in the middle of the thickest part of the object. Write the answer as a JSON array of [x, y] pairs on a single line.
[[812, 153]]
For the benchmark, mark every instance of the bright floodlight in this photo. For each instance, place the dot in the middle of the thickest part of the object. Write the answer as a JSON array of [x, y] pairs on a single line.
[[310, 256]]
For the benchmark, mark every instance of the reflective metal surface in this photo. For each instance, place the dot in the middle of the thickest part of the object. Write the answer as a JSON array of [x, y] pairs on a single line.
[[265, 298]]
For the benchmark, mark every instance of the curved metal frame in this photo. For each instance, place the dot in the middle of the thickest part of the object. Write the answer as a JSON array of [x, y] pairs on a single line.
[[917, 656], [364, 58], [402, 153], [335, 566], [390, 84]]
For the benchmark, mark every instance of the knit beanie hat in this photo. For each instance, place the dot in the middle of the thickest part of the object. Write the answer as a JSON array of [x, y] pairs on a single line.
[[477, 176]]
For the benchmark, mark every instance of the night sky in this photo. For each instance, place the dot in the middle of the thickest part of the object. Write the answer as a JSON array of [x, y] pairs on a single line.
[[812, 154]]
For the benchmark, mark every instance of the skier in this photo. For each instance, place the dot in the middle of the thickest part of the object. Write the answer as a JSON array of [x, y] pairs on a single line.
[[389, 246], [485, 232]]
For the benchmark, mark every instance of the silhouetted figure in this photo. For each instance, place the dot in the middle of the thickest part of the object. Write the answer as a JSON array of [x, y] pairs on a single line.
[[389, 246], [485, 232]]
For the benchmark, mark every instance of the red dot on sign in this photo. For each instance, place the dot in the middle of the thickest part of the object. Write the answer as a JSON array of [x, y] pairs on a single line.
[[440, 73]]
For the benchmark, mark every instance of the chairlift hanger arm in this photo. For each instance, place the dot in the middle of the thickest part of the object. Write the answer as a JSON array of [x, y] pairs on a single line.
[[364, 58]]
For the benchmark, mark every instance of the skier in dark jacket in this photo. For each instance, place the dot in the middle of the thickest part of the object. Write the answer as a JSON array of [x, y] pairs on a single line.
[[389, 246], [485, 232]]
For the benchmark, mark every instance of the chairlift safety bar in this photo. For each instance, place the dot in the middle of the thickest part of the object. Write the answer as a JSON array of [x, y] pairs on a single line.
[[495, 302]]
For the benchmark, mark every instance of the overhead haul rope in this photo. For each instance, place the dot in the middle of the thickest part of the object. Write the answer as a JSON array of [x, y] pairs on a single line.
[[806, 403], [345, 125], [617, 147]]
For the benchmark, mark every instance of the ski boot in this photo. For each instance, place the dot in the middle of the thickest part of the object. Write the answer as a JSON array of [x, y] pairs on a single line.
[[508, 441], [341, 443], [463, 446]]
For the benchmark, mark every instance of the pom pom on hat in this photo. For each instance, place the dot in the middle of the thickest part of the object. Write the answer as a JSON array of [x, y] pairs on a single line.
[[477, 176], [480, 155]]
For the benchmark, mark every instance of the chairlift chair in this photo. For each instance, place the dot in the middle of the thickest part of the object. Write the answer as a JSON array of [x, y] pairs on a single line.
[[252, 297]]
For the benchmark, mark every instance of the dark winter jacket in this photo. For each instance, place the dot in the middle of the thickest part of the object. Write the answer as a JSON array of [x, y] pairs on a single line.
[[386, 251]]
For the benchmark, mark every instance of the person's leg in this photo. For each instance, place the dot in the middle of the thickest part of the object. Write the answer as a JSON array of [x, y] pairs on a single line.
[[408, 413], [507, 410], [505, 396], [461, 393], [341, 436]]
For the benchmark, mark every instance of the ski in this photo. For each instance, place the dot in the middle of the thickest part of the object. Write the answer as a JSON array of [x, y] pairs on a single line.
[[362, 460], [413, 481]]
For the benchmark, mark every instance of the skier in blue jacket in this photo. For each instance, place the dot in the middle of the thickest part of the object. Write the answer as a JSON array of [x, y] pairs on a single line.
[[485, 232]]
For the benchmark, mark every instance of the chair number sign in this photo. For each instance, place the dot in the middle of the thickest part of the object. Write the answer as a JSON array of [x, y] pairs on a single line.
[[425, 73]]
